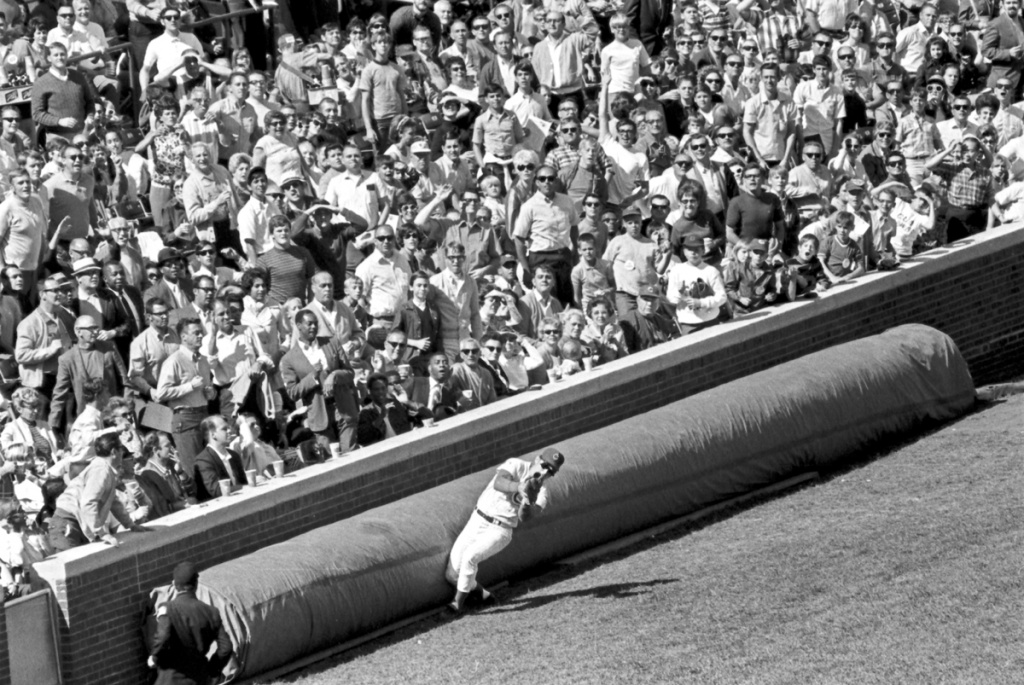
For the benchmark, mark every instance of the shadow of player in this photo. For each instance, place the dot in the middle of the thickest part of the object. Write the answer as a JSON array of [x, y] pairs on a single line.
[[614, 591]]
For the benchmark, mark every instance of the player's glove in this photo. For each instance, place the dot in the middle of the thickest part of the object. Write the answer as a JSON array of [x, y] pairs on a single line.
[[529, 489]]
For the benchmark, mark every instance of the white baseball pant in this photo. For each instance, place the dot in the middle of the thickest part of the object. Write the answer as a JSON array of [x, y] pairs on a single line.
[[478, 541]]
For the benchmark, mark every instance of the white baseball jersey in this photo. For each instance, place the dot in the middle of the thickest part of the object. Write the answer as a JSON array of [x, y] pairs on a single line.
[[502, 505]]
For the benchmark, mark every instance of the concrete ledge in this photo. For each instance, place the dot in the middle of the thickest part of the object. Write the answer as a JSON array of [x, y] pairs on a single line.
[[973, 292]]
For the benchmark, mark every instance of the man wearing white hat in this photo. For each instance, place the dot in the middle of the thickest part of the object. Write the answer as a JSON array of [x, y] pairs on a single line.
[[96, 303]]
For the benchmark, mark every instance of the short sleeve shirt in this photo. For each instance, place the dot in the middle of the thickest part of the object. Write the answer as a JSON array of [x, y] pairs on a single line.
[[386, 84]]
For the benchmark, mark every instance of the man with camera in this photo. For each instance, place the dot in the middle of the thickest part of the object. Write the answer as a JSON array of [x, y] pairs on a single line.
[[517, 493]]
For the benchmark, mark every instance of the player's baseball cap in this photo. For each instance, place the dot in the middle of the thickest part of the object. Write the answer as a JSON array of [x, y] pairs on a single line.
[[648, 291], [760, 245], [553, 458]]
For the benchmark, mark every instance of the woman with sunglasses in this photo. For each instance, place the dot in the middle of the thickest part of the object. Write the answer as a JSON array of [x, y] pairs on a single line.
[[524, 172]]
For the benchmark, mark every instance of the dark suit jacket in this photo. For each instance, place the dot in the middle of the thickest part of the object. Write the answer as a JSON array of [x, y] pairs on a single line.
[[136, 324], [302, 383], [11, 314], [997, 40], [418, 389], [185, 630], [162, 291], [371, 427], [76, 366], [210, 469], [650, 22], [162, 497], [490, 75]]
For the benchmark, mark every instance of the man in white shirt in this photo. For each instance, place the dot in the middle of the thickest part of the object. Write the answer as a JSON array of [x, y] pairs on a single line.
[[385, 275], [254, 217], [911, 41], [631, 170], [353, 192], [165, 54], [516, 493], [954, 130]]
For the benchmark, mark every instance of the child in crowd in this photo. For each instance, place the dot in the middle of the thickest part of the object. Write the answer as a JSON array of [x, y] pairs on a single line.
[[593, 276], [354, 299], [841, 255], [804, 267]]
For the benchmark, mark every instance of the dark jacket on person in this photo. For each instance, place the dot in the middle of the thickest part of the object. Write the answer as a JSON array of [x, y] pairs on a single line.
[[185, 630], [210, 469], [371, 421], [642, 332]]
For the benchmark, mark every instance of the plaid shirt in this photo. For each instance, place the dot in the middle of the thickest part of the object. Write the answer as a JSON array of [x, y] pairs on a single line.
[[563, 157], [969, 186]]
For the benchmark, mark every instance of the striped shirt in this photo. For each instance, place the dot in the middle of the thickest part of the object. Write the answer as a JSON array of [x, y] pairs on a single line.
[[290, 269]]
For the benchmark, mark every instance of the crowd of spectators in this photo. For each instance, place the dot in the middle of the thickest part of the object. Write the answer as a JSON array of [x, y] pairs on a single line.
[[427, 208]]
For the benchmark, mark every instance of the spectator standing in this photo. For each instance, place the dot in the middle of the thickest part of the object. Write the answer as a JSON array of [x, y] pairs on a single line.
[[320, 377], [649, 19], [547, 226], [151, 348], [90, 498], [385, 275], [354, 192], [236, 119], [207, 195], [79, 364], [559, 59], [911, 41], [185, 386], [1003, 45], [62, 97], [171, 288], [770, 122], [71, 191], [457, 299], [42, 338], [290, 266], [632, 256], [383, 87], [22, 227]]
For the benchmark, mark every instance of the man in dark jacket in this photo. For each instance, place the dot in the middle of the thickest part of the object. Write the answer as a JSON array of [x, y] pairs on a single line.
[[185, 630], [647, 325]]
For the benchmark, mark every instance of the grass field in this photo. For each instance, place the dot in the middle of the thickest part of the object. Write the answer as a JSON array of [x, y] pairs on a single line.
[[906, 569]]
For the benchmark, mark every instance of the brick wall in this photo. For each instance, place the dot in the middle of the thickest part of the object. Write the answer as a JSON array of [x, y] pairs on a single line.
[[973, 293]]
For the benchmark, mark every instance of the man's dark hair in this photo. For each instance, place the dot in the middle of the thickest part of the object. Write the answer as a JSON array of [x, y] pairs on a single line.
[[185, 323]]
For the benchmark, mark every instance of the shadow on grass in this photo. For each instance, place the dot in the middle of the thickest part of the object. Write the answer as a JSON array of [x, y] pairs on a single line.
[[614, 591]]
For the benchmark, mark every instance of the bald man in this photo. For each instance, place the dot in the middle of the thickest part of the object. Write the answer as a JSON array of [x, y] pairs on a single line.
[[79, 364]]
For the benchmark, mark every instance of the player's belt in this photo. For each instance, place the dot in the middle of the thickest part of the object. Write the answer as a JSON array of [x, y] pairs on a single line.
[[491, 519]]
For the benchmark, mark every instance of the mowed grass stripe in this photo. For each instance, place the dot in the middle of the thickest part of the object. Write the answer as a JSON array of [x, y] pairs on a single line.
[[906, 569]]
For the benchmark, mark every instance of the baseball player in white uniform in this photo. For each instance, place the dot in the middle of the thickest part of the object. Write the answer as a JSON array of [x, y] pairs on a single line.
[[516, 493]]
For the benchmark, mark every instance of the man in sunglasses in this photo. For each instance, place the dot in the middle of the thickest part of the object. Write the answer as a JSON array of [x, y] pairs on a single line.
[[517, 493], [385, 275], [884, 68], [548, 224], [956, 129], [875, 156]]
